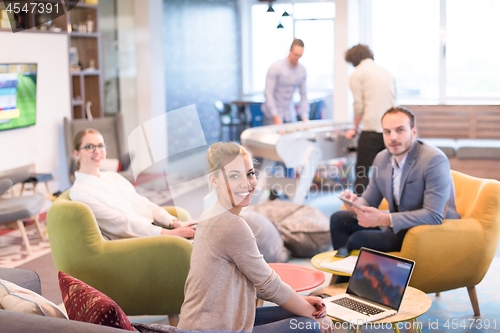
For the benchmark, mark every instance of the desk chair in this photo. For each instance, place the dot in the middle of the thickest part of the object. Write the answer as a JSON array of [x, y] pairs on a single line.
[[144, 275], [14, 210], [316, 110], [257, 115], [229, 119]]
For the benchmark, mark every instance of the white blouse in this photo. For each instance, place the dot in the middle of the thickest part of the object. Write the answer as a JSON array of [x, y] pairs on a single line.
[[119, 210]]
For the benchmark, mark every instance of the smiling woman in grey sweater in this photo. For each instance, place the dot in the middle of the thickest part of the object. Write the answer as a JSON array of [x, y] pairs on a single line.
[[227, 270]]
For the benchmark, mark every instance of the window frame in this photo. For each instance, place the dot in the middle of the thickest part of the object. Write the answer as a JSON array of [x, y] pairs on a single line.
[[247, 45]]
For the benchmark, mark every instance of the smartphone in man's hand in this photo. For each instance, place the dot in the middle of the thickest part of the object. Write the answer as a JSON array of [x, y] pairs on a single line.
[[349, 202]]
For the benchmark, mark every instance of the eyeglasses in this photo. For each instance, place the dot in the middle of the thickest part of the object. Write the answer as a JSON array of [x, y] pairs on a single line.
[[92, 148]]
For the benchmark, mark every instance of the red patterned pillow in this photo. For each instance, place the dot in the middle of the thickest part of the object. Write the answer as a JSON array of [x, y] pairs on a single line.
[[87, 304]]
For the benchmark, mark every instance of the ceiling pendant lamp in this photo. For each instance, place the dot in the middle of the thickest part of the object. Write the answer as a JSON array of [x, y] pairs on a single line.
[[270, 9], [285, 14], [280, 26]]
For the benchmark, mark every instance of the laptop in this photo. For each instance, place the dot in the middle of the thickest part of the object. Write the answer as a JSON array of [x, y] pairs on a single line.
[[376, 288]]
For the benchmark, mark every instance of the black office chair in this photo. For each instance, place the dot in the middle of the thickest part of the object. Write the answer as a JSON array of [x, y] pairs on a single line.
[[228, 119]]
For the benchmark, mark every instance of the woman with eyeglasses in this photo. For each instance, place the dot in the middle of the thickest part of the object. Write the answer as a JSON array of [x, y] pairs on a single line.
[[228, 272], [119, 210]]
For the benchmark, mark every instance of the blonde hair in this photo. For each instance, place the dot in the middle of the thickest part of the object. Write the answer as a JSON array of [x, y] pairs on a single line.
[[77, 142], [219, 152]]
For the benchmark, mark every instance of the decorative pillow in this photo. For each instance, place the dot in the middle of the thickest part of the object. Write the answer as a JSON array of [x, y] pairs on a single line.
[[305, 230], [15, 298], [268, 237], [87, 304]]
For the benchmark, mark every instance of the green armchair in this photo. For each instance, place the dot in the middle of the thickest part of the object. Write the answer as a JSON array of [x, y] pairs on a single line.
[[145, 276]]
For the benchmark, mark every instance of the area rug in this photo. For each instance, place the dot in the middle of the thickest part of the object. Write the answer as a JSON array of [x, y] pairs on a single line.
[[13, 252]]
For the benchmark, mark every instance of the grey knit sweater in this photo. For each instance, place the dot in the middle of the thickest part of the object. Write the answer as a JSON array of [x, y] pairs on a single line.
[[227, 274]]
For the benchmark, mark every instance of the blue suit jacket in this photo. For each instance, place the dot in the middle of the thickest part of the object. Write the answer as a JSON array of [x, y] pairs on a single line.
[[426, 187]]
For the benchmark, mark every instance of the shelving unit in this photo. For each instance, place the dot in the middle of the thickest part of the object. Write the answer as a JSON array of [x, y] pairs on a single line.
[[86, 85]]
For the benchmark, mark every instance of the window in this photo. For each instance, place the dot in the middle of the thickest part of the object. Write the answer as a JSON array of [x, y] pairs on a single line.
[[269, 44], [406, 42], [444, 49], [318, 54], [472, 48], [311, 22]]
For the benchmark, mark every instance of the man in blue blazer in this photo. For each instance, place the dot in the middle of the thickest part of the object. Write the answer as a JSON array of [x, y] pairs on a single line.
[[415, 179]]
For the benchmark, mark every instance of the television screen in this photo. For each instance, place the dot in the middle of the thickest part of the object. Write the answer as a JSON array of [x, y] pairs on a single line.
[[17, 95]]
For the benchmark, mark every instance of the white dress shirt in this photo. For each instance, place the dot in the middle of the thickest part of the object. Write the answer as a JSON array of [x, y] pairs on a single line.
[[281, 82], [374, 92], [119, 210]]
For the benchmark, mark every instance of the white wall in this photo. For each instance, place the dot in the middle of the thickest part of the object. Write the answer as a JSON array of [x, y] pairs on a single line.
[[42, 144], [151, 91], [142, 75], [127, 65], [346, 35]]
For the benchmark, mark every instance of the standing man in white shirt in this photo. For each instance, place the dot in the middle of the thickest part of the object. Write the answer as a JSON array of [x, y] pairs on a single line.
[[374, 92], [283, 78]]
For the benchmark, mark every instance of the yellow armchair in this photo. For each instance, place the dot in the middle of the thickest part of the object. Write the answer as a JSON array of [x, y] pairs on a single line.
[[145, 276], [457, 253]]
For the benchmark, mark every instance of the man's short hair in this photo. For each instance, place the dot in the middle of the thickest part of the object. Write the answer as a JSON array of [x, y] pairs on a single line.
[[297, 42], [357, 53], [396, 109]]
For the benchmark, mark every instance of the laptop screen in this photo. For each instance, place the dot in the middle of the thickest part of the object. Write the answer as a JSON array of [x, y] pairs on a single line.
[[380, 278]]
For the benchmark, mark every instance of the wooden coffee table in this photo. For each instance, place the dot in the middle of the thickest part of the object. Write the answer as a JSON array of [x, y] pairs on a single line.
[[415, 303]]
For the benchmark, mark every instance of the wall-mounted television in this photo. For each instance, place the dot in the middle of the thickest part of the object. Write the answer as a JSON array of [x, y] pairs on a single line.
[[17, 95]]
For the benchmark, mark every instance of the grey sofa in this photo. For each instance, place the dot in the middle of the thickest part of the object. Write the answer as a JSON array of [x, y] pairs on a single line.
[[467, 149], [12, 322]]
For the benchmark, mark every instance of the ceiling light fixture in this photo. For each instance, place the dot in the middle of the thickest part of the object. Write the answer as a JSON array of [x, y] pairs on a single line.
[[270, 9], [285, 13], [280, 26]]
